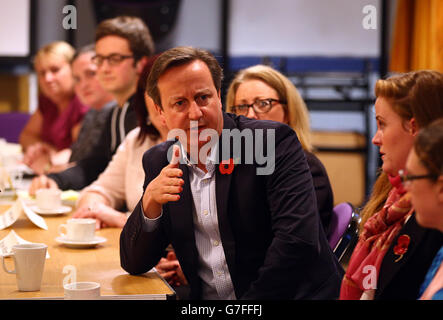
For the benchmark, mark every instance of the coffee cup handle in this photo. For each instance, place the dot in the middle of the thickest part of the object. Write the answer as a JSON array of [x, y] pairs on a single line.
[[60, 229], [6, 269]]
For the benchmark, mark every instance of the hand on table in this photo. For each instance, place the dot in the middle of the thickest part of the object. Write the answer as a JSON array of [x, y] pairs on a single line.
[[41, 182], [105, 215], [38, 157], [169, 268], [34, 151]]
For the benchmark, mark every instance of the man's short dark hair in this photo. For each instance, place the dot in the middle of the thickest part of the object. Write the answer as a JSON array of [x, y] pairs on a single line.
[[89, 48], [176, 57], [132, 29]]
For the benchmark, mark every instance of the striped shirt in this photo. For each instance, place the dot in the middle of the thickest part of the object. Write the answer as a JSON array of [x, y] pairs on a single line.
[[213, 269]]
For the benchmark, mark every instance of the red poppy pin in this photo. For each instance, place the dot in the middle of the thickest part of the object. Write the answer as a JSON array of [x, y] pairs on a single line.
[[402, 246], [226, 166]]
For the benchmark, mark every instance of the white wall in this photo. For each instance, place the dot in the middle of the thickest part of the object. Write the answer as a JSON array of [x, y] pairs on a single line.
[[14, 28], [280, 27], [257, 27], [302, 27]]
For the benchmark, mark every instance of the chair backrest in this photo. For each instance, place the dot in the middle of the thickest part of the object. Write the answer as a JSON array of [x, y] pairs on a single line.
[[344, 230], [341, 217], [11, 125]]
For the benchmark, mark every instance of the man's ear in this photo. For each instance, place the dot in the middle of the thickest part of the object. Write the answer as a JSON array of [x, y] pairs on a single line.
[[219, 97], [141, 64], [413, 127], [162, 119], [158, 108], [439, 186]]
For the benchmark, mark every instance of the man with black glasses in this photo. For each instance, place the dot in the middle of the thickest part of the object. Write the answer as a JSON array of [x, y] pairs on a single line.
[[122, 46]]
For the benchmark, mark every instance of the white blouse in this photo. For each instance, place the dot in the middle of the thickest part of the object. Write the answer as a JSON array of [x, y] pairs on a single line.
[[122, 181]]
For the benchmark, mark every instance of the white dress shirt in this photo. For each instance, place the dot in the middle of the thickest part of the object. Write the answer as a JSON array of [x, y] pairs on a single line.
[[213, 269]]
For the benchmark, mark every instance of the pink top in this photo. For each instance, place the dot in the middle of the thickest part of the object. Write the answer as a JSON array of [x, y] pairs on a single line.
[[56, 128]]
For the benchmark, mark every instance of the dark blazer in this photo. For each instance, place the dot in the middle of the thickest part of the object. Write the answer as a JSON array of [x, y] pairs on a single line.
[[402, 280], [273, 241], [323, 190]]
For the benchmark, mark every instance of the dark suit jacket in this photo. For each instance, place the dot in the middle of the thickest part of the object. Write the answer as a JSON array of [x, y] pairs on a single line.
[[402, 280], [273, 241], [323, 190]]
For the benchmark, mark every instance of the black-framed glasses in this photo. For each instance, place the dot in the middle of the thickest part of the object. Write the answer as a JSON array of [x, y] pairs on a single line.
[[113, 59], [259, 106], [407, 178]]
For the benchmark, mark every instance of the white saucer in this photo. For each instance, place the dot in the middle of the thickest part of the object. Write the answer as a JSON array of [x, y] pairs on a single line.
[[57, 211], [81, 244]]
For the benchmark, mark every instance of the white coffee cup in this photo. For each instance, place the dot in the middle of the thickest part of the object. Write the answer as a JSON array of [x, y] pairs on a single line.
[[78, 229], [82, 291], [29, 261], [48, 199]]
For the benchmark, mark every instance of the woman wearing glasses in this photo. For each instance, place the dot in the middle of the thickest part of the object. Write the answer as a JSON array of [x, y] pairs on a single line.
[[424, 181], [393, 253], [260, 92]]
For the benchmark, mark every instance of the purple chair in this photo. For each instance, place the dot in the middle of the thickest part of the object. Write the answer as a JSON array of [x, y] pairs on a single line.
[[12, 124], [344, 228]]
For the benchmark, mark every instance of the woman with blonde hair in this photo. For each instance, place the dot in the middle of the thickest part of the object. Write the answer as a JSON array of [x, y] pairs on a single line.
[[261, 92], [393, 253], [57, 121]]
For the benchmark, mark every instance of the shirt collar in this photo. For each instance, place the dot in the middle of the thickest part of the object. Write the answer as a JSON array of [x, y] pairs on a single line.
[[211, 160]]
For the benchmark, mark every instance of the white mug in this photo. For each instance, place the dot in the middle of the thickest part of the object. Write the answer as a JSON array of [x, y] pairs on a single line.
[[78, 229], [29, 261], [82, 291], [48, 199]]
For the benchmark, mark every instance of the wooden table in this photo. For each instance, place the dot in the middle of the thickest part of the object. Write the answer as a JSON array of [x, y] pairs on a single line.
[[100, 264]]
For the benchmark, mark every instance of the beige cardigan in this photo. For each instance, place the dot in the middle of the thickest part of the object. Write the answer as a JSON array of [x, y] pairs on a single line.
[[122, 181]]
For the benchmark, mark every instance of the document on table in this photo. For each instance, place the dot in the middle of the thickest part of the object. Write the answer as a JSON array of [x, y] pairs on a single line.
[[35, 218], [12, 214]]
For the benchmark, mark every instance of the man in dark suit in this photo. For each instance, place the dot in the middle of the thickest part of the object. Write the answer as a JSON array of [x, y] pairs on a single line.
[[240, 230]]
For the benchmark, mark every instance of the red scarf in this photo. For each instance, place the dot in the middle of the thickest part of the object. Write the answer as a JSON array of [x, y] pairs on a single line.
[[378, 233]]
